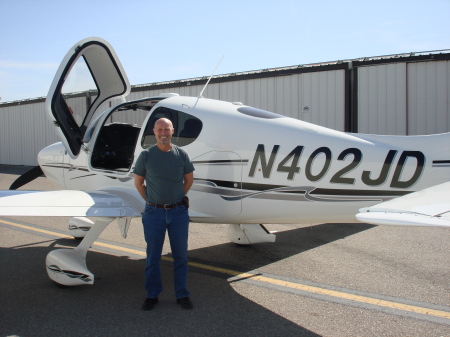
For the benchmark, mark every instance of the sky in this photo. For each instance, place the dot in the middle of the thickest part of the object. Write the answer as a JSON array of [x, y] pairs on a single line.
[[164, 40]]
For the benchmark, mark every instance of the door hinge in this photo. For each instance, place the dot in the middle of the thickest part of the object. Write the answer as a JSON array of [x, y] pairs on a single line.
[[86, 149]]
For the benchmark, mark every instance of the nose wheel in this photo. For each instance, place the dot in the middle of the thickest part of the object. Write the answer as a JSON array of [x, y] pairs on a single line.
[[247, 234]]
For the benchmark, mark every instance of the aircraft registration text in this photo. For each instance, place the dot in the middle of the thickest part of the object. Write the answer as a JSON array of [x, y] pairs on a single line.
[[290, 165]]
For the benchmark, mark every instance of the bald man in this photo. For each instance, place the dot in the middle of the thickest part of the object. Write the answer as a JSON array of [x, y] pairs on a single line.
[[163, 175]]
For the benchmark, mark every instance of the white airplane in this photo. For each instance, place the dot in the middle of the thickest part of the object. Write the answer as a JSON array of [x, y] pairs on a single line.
[[251, 167]]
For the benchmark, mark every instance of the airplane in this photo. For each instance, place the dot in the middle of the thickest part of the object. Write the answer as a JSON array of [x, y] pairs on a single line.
[[252, 167]]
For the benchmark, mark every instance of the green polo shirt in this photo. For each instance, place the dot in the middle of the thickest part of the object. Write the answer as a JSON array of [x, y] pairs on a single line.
[[164, 173]]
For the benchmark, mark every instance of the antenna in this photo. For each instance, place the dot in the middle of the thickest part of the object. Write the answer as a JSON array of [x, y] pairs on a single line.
[[200, 95]]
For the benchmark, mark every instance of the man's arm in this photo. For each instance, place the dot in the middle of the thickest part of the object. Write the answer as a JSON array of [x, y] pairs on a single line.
[[188, 181], [140, 186]]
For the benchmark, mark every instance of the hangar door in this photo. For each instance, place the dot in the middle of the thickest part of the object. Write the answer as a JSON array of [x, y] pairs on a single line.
[[404, 98], [428, 97]]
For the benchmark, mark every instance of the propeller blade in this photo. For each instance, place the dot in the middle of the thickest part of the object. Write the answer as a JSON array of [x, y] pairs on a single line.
[[26, 177]]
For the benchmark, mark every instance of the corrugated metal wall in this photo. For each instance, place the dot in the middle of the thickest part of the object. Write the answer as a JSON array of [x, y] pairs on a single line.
[[24, 131], [382, 99], [428, 97], [404, 98], [397, 96], [323, 99]]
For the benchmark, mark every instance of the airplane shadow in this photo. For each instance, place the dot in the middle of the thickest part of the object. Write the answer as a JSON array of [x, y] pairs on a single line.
[[288, 243], [31, 305]]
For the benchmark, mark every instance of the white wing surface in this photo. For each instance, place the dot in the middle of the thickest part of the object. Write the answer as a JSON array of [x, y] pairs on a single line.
[[429, 207], [67, 203]]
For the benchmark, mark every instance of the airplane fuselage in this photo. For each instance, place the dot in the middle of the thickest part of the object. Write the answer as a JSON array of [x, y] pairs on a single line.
[[252, 166]]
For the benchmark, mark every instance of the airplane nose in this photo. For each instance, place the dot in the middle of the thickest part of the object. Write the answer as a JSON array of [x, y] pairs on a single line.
[[52, 154], [51, 160]]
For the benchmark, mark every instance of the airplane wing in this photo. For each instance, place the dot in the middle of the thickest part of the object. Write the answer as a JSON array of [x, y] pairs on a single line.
[[429, 207], [69, 203]]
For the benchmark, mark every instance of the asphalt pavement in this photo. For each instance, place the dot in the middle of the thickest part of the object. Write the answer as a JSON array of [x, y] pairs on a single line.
[[315, 280]]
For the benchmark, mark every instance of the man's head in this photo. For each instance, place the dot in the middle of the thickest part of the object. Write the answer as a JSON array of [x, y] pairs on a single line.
[[163, 130]]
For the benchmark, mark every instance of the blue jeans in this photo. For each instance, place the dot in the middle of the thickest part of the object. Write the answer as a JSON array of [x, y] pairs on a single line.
[[156, 221]]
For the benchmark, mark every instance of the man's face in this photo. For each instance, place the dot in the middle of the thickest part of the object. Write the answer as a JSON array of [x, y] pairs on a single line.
[[163, 131]]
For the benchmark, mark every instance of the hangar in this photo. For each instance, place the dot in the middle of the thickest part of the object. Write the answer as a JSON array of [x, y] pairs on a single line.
[[405, 94]]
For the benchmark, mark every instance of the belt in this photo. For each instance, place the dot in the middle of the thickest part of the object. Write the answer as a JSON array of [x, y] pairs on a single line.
[[166, 206]]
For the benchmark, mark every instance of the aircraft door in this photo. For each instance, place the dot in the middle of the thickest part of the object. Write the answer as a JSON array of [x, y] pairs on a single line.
[[217, 188], [92, 67]]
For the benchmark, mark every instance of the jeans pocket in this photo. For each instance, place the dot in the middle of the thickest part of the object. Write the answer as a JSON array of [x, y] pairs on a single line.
[[149, 209], [182, 209]]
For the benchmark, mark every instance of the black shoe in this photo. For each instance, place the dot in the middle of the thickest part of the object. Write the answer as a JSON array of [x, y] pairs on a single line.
[[185, 302], [149, 303]]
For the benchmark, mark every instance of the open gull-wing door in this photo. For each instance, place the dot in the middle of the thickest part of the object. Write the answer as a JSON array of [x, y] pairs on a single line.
[[91, 67]]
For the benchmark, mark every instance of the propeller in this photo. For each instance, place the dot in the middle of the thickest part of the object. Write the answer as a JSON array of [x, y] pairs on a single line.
[[26, 177]]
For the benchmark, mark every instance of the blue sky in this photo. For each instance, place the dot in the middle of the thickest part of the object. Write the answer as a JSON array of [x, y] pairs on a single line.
[[172, 39]]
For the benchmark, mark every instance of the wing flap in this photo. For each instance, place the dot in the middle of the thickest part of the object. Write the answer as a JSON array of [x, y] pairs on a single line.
[[402, 219], [64, 203], [429, 207]]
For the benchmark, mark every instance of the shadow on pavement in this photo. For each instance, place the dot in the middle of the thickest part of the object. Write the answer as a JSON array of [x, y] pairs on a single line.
[[288, 243], [31, 305]]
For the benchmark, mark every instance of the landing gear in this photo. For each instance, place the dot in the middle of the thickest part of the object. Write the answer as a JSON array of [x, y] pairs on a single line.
[[79, 226], [246, 234], [67, 267]]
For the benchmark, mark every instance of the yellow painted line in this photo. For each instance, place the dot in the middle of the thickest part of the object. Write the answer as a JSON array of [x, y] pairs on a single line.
[[322, 291], [35, 229], [264, 279], [123, 249], [355, 298], [219, 270]]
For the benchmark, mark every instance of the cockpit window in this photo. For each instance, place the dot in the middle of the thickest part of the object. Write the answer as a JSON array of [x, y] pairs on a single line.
[[187, 127], [254, 112]]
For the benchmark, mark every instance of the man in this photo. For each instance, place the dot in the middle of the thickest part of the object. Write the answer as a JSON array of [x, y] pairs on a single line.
[[168, 175]]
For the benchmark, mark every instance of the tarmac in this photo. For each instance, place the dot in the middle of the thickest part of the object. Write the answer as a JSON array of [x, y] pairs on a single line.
[[315, 280]]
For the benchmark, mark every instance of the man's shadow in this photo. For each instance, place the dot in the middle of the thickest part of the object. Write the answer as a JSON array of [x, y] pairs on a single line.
[[33, 305]]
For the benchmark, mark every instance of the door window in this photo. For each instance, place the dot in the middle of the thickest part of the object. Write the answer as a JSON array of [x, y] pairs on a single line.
[[187, 127], [79, 80]]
